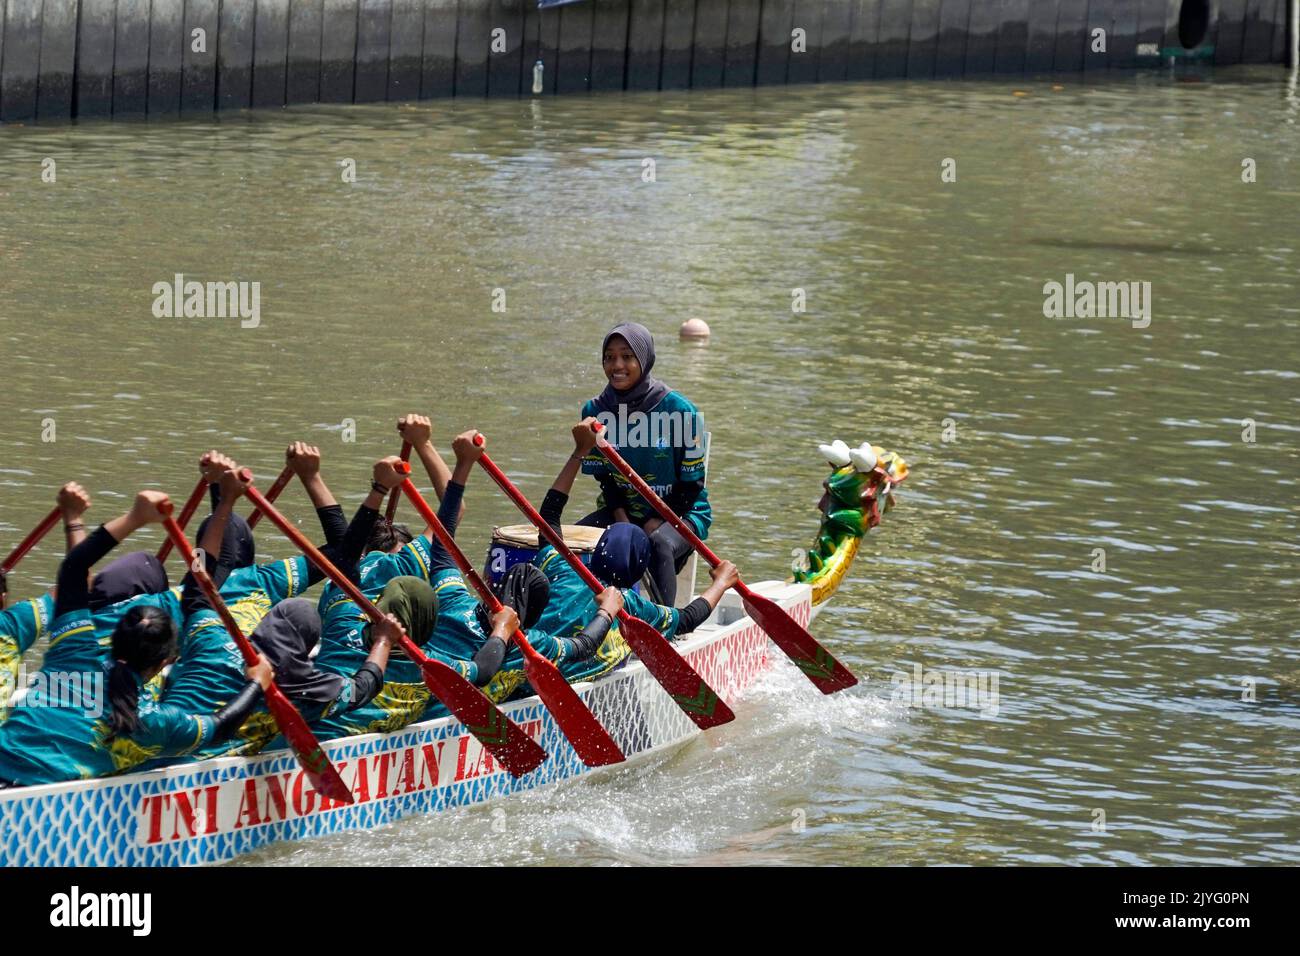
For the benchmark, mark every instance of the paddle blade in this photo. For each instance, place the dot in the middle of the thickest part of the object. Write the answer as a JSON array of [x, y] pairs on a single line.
[[696, 698], [579, 725], [817, 663], [319, 770], [501, 737]]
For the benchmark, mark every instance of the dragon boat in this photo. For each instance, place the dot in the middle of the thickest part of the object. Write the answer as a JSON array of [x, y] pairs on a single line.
[[214, 810]]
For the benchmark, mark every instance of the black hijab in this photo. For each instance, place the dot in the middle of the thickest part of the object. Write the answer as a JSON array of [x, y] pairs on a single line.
[[237, 547], [525, 590], [127, 577], [285, 638], [648, 391]]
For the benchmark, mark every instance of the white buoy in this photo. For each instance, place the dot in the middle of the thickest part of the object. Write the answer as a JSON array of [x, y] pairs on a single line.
[[864, 457], [694, 329]]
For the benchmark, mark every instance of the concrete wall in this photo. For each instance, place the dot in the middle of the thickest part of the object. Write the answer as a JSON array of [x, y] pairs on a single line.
[[95, 58]]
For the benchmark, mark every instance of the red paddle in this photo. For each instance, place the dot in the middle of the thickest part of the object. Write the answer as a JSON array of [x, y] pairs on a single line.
[[396, 493], [319, 770], [579, 726], [696, 698], [187, 512], [272, 493], [503, 738], [817, 663], [29, 542]]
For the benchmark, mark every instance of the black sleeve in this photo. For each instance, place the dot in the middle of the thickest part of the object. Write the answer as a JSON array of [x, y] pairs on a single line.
[[366, 683], [230, 717], [74, 572], [682, 496], [449, 515], [692, 616], [588, 640], [346, 552], [613, 492], [488, 660], [332, 523], [552, 510]]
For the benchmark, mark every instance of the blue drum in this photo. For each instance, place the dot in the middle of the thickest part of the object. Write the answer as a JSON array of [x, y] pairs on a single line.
[[517, 543]]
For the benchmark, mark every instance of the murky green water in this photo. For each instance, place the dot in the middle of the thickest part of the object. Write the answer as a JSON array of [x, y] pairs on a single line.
[[1119, 692]]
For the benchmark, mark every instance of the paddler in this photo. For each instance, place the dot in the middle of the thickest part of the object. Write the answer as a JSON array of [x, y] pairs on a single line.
[[86, 717], [28, 621], [421, 585], [263, 600], [660, 433], [619, 561]]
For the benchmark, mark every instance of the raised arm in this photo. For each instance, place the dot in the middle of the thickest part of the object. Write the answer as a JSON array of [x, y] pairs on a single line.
[[418, 430], [74, 572], [304, 459], [73, 502], [552, 510]]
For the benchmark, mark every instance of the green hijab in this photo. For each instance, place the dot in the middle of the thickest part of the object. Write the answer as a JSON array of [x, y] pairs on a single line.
[[414, 603]]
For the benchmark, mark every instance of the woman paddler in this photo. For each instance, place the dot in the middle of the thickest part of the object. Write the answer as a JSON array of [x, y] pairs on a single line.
[[86, 717], [661, 435], [421, 585], [28, 621], [280, 625], [619, 560]]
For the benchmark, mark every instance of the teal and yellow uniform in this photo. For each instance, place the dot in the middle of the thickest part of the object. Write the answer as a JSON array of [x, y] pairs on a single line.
[[459, 634], [211, 670], [342, 647], [657, 452], [61, 730], [21, 626], [572, 605], [105, 619]]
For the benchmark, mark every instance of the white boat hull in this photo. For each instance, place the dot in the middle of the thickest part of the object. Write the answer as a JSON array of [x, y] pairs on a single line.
[[218, 809]]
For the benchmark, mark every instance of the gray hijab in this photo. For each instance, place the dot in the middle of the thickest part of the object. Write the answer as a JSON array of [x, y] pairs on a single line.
[[648, 391]]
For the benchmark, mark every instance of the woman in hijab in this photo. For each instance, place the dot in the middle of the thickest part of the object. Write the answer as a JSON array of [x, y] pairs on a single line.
[[620, 558], [661, 435]]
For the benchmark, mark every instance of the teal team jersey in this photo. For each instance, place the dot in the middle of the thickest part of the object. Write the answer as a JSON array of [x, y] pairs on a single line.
[[572, 606], [210, 672], [656, 450], [61, 730], [21, 626], [105, 619], [343, 651]]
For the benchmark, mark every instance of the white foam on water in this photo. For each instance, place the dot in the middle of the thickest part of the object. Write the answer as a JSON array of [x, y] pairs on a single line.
[[713, 798]]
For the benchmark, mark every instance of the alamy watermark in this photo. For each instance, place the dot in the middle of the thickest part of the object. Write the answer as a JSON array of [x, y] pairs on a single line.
[[939, 689], [208, 300], [1100, 300], [63, 690], [653, 429]]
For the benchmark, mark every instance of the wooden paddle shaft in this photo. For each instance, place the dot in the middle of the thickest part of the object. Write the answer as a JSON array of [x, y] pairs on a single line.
[[656, 502], [396, 493], [328, 568], [187, 512], [281, 482], [177, 537], [32, 540]]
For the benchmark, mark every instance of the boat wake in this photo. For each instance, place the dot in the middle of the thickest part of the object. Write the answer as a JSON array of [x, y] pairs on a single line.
[[735, 790]]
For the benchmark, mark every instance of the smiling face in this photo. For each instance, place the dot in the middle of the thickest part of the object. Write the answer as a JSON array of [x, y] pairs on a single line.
[[620, 364]]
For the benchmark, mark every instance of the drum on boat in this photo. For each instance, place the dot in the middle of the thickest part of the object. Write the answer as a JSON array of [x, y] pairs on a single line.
[[516, 543]]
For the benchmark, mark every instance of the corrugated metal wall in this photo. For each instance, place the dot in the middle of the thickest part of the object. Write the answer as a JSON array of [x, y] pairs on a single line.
[[93, 58]]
